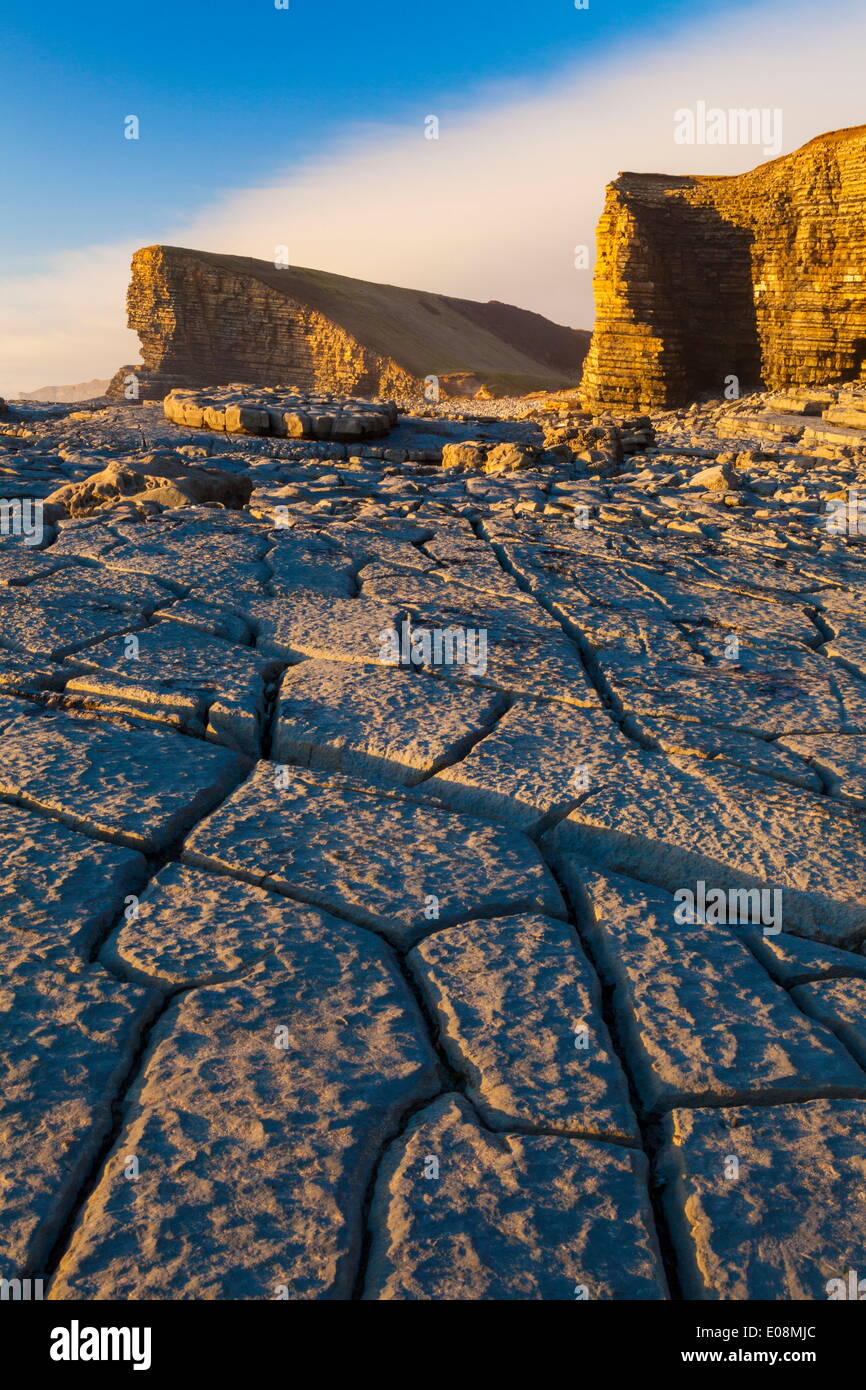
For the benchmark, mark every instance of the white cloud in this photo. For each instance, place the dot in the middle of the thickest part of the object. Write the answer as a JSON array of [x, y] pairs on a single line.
[[66, 323], [494, 208]]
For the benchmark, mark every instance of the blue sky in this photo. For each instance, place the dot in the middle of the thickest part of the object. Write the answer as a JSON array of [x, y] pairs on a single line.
[[262, 127], [228, 92]]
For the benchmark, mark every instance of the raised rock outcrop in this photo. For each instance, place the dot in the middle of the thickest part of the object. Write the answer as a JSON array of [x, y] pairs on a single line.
[[761, 276], [162, 480], [240, 409], [205, 319]]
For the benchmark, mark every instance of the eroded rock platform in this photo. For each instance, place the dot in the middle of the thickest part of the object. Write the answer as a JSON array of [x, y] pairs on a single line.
[[434, 882]]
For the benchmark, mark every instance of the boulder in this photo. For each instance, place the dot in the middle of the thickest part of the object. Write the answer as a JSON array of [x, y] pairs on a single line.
[[721, 477], [469, 456], [578, 439], [636, 435], [160, 479], [510, 458]]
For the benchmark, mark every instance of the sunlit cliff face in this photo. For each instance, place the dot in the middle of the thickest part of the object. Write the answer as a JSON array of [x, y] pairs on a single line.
[[499, 207]]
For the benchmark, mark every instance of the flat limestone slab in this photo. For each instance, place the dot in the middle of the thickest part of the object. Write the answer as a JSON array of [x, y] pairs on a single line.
[[280, 411], [391, 541], [263, 1105], [379, 858], [756, 575], [539, 667], [214, 558], [375, 721], [840, 759], [21, 563], [86, 537], [75, 606], [140, 788], [174, 673], [55, 632], [792, 961], [21, 674], [834, 434], [780, 699], [197, 928], [67, 1042], [519, 1014], [59, 890], [843, 614], [429, 593], [309, 562], [202, 616], [687, 738], [482, 572], [850, 648], [538, 760], [728, 609], [621, 635], [460, 1214], [565, 575], [525, 650], [322, 626], [766, 1202], [99, 586], [672, 821], [700, 1018], [840, 1004]]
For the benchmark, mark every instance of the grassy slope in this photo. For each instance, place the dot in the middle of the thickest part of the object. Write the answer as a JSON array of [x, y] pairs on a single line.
[[428, 333]]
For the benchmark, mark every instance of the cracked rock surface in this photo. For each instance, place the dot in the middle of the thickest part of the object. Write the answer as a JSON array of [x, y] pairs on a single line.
[[463, 1213], [433, 865]]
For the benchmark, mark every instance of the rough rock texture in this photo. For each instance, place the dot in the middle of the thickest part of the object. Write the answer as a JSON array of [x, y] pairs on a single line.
[[270, 410], [520, 1015], [840, 1004], [159, 482], [205, 318], [59, 890], [387, 723], [192, 928], [705, 1022], [331, 969], [539, 760], [77, 771], [409, 865], [497, 1216], [263, 1139], [67, 1042], [767, 1203], [730, 829], [757, 276]]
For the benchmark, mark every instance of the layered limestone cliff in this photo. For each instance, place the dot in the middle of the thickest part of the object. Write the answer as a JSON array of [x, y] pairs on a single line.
[[205, 319], [761, 276]]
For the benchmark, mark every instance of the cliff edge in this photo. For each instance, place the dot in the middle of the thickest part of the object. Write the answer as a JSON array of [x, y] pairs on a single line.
[[761, 276], [206, 319]]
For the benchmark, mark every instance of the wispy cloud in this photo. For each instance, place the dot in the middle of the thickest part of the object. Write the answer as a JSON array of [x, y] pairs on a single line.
[[493, 209]]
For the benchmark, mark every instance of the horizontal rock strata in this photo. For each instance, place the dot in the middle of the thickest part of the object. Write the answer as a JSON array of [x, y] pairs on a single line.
[[759, 276], [204, 319]]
